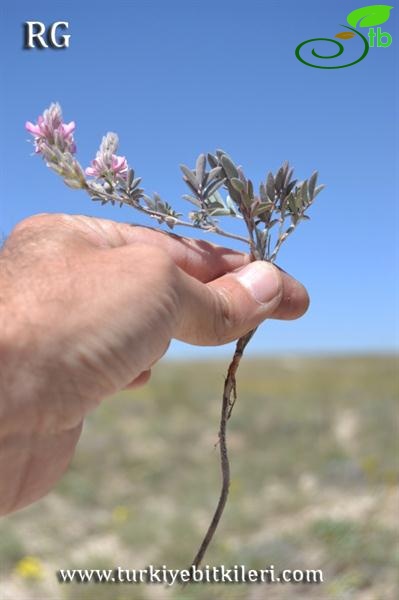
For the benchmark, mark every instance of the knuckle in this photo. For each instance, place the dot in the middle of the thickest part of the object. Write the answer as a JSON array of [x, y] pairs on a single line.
[[40, 220], [29, 222]]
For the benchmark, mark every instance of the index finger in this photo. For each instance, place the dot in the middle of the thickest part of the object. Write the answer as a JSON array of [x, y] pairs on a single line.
[[200, 259]]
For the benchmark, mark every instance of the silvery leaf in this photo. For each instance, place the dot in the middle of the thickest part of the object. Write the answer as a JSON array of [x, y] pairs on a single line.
[[229, 167], [237, 184], [312, 184], [200, 168], [212, 160], [212, 187], [270, 187], [192, 200], [318, 190], [230, 205], [304, 193], [189, 176], [216, 201], [215, 172], [220, 212], [279, 179]]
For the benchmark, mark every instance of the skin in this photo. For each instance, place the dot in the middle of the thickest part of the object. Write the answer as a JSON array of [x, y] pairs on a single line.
[[87, 307]]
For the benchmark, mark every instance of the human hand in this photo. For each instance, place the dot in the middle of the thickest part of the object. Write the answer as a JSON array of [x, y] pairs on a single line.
[[87, 306]]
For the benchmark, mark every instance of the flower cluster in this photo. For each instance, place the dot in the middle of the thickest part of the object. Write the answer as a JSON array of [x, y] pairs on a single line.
[[50, 130], [107, 164], [53, 139]]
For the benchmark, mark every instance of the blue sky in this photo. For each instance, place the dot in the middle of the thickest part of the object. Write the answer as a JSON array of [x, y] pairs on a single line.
[[177, 78]]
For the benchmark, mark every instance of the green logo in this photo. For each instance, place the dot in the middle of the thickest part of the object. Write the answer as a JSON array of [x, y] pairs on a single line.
[[367, 16]]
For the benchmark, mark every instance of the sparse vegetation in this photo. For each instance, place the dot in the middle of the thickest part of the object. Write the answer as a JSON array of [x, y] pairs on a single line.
[[314, 448]]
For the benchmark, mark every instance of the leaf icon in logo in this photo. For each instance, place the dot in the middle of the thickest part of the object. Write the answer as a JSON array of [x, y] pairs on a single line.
[[368, 16], [345, 35]]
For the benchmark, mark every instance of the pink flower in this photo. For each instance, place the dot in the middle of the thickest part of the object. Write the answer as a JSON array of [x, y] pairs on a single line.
[[119, 164], [33, 129], [99, 168], [51, 130]]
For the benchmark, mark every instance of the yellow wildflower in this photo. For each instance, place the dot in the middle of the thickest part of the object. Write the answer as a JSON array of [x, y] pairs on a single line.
[[120, 514], [29, 567]]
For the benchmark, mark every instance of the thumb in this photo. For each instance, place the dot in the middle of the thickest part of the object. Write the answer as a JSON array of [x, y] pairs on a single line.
[[230, 306]]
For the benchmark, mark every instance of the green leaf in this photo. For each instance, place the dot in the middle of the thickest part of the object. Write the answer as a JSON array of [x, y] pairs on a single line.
[[200, 168], [263, 207], [235, 195], [129, 178], [189, 176], [291, 203], [238, 184], [148, 201], [312, 184], [213, 186], [191, 186], [135, 183], [72, 183], [230, 205], [220, 212], [212, 160], [279, 179], [215, 172], [246, 199], [298, 199], [192, 200], [136, 195], [288, 175], [261, 236], [304, 192], [59, 170], [291, 186], [250, 188], [216, 201], [270, 186], [262, 192], [318, 190], [229, 167], [368, 16], [273, 223]]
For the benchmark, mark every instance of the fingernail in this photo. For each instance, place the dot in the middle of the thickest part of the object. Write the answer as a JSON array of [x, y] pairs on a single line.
[[261, 280]]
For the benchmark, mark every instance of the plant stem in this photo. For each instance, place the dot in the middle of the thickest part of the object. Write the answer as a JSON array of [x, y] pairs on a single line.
[[280, 241], [228, 401], [229, 398], [158, 215]]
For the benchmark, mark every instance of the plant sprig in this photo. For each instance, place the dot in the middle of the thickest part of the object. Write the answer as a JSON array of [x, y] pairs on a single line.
[[218, 189]]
